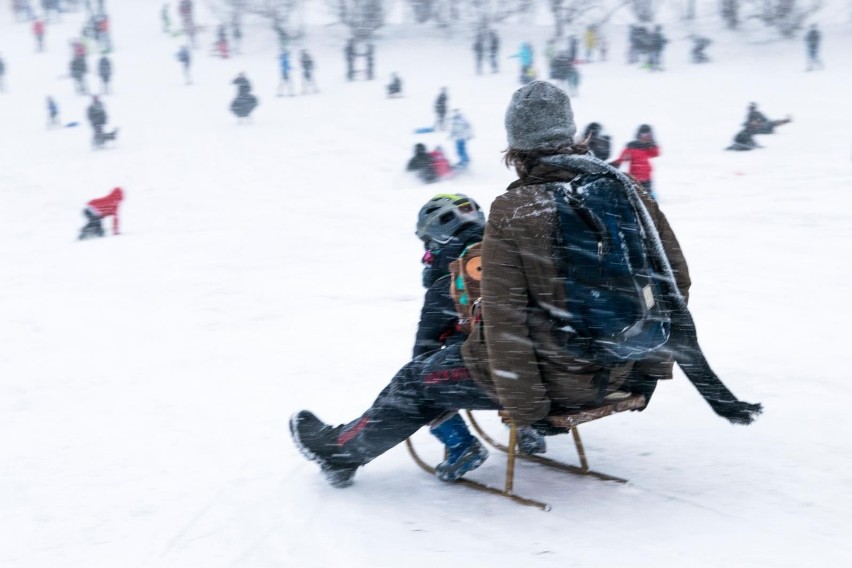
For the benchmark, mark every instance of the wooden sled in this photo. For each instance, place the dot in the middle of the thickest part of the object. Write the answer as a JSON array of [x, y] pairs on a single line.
[[565, 420]]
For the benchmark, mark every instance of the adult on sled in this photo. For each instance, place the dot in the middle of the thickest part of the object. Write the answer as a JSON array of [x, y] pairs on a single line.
[[521, 356], [97, 209]]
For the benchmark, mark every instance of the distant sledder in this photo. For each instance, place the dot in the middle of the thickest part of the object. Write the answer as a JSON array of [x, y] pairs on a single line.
[[245, 102], [759, 124], [394, 88], [99, 208], [430, 167], [744, 140], [755, 123]]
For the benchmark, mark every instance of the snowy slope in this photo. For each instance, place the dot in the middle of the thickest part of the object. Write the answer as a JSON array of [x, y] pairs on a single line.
[[146, 379]]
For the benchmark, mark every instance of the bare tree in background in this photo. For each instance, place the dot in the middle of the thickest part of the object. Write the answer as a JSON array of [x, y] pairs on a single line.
[[786, 16], [363, 17], [730, 12], [645, 10], [486, 13], [280, 13], [566, 12]]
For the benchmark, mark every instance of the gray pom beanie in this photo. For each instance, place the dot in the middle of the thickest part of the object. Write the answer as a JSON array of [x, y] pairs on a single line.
[[539, 116]]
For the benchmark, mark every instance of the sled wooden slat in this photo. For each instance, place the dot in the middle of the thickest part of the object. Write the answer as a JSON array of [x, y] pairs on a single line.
[[566, 420], [569, 420], [475, 484]]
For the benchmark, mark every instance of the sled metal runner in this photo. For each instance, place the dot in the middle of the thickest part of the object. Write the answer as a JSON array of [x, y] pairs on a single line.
[[568, 421]]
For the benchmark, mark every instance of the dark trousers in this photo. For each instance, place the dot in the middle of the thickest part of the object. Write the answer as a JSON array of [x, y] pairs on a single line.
[[423, 390], [98, 137], [93, 227]]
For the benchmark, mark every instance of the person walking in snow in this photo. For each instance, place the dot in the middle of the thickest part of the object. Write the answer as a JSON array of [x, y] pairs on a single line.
[[284, 68], [370, 57], [38, 33], [186, 11], [97, 210], [656, 44], [812, 41], [166, 19], [185, 58], [638, 154], [309, 84], [460, 133], [105, 73], [479, 50], [79, 68], [52, 113], [525, 57], [349, 54], [237, 34], [590, 42], [97, 116], [494, 50], [221, 45], [441, 109]]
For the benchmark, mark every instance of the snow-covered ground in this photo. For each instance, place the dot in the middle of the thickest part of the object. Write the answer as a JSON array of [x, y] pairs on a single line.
[[146, 379]]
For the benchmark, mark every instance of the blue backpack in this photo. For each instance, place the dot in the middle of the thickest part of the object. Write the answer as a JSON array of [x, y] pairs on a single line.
[[616, 310]]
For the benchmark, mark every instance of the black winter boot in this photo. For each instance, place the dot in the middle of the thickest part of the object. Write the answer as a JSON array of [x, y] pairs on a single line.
[[317, 441]]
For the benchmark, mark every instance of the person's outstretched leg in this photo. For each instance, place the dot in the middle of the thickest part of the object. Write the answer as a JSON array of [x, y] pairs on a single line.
[[420, 392]]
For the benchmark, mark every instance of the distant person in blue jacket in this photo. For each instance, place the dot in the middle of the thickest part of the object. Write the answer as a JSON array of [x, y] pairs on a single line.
[[284, 66]]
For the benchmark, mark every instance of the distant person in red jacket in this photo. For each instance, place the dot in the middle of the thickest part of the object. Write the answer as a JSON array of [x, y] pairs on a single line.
[[440, 163], [97, 209], [639, 153], [38, 32]]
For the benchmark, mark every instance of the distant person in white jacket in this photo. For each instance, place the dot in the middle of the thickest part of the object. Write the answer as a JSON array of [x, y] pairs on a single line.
[[461, 132]]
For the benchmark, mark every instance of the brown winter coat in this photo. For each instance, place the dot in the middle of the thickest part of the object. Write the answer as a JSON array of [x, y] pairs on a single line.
[[516, 355]]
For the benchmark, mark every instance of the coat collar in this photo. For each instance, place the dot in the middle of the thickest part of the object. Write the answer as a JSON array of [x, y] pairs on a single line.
[[543, 173]]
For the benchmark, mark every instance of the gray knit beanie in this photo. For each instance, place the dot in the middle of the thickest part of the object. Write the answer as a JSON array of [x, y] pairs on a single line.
[[539, 116]]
